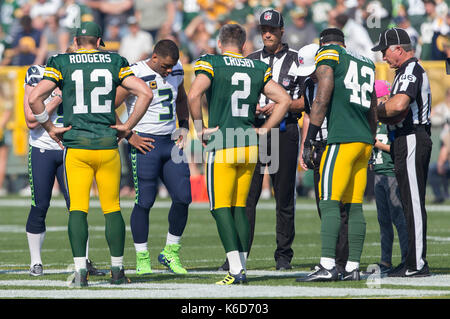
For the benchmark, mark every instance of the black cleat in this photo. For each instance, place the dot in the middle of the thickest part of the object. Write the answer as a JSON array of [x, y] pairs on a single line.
[[225, 266], [81, 278], [92, 270], [398, 271], [351, 276], [118, 276], [320, 274], [424, 272], [283, 264]]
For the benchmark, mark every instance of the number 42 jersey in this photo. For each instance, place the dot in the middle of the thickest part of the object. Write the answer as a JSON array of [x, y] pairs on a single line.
[[88, 80], [236, 84], [354, 77], [160, 118]]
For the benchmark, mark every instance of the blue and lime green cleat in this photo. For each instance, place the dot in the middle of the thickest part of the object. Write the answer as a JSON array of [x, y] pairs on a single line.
[[170, 258]]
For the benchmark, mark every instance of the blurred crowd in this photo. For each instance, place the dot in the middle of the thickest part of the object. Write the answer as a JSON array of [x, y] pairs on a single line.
[[33, 30]]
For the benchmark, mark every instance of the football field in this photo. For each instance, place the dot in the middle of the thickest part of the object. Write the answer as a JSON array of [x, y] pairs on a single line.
[[202, 253]]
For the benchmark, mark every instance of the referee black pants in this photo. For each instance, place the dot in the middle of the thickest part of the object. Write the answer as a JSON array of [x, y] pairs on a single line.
[[411, 156], [283, 181]]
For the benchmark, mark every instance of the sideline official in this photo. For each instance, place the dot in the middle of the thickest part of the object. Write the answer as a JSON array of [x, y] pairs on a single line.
[[408, 112]]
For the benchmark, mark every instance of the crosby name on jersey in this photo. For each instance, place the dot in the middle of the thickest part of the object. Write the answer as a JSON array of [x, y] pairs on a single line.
[[160, 118]]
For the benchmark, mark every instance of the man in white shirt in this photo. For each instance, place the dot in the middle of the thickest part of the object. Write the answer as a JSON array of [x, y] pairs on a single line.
[[137, 45]]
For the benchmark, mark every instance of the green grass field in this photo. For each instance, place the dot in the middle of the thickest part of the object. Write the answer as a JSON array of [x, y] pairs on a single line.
[[202, 253]]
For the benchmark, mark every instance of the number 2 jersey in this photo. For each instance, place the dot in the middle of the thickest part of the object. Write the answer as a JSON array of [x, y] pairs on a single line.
[[354, 77], [88, 80], [160, 118], [236, 84], [38, 136]]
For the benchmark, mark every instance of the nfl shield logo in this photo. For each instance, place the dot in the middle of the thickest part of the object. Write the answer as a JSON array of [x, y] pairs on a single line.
[[300, 60], [268, 16], [286, 82]]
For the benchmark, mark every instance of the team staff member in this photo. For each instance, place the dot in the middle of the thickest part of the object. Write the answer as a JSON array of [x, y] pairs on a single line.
[[284, 63], [409, 109], [88, 79], [232, 85], [345, 91]]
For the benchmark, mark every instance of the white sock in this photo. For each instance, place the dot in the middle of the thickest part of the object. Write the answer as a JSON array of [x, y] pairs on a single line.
[[80, 263], [243, 257], [117, 261], [351, 265], [87, 248], [235, 262], [327, 263], [140, 247], [35, 242], [172, 239]]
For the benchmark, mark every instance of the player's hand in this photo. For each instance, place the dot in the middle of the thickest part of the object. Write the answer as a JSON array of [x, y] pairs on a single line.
[[301, 162], [56, 133], [180, 135], [142, 144], [309, 154], [206, 133], [122, 130], [268, 109]]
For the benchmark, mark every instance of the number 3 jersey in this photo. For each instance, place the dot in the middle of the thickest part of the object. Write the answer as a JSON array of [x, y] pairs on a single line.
[[88, 80], [236, 84], [38, 136], [354, 77], [161, 114]]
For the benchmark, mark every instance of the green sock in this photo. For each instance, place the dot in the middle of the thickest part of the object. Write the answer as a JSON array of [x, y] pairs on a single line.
[[115, 233], [242, 227], [331, 223], [78, 232], [356, 231], [226, 228]]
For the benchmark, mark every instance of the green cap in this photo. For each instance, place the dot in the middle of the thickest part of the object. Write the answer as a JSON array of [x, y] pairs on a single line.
[[90, 29]]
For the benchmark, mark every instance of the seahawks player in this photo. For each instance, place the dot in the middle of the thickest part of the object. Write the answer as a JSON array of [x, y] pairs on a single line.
[[45, 162], [165, 76]]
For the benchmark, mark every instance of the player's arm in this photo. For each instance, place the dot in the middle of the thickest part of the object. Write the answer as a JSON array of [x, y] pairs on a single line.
[[276, 93], [30, 120], [396, 105], [144, 96], [121, 94], [304, 132], [297, 105], [198, 88], [319, 107], [372, 115], [182, 116], [36, 102]]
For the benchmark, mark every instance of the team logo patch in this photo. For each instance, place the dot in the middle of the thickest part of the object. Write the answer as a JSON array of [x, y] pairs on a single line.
[[153, 85], [268, 16]]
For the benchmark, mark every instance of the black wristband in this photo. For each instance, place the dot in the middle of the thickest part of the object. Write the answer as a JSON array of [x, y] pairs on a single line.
[[312, 133], [183, 124], [129, 135]]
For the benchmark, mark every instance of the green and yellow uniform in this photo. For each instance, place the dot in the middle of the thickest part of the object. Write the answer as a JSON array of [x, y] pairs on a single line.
[[236, 84], [88, 80]]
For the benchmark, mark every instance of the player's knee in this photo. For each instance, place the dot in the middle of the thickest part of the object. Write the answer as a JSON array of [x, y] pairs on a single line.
[[36, 220]]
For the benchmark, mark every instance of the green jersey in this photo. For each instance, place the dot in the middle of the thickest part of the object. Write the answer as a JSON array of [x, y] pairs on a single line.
[[88, 80], [354, 77], [236, 84], [382, 160]]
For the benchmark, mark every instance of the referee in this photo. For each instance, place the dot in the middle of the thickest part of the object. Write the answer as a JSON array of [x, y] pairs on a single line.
[[284, 63], [408, 113]]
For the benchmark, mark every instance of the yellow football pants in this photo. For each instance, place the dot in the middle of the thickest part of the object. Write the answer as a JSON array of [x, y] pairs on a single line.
[[229, 174], [343, 172], [82, 166]]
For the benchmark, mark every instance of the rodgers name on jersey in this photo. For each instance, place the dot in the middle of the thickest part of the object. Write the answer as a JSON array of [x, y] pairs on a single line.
[[38, 136], [160, 118]]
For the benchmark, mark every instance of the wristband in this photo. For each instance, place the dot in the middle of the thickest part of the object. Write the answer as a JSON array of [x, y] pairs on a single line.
[[129, 135], [183, 124], [43, 117], [312, 133]]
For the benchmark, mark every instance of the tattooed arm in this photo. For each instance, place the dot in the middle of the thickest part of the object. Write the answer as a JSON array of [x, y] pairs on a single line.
[[325, 77], [372, 115]]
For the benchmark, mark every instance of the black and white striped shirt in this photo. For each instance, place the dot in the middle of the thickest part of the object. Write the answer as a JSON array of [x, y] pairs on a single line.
[[284, 66], [310, 89], [412, 80]]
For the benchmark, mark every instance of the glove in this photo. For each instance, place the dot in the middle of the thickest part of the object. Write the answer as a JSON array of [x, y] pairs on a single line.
[[310, 156]]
